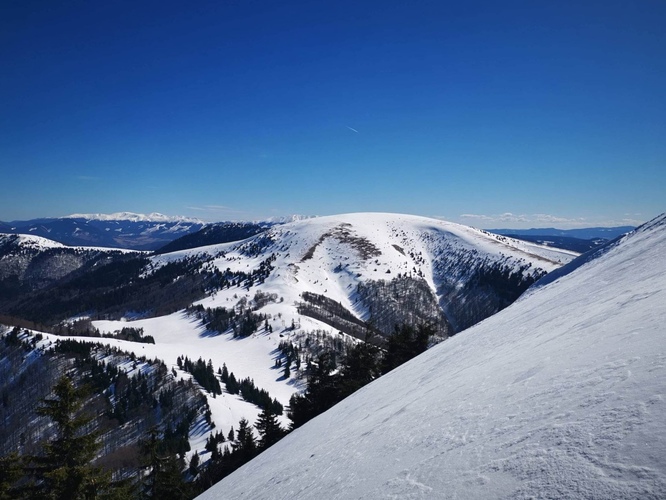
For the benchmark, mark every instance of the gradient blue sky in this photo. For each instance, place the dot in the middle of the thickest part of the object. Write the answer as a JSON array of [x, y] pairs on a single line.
[[511, 114]]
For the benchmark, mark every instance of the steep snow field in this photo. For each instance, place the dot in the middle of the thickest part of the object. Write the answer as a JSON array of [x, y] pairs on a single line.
[[561, 395]]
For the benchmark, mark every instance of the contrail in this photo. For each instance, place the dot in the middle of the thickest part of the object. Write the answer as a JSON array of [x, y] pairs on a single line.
[[352, 129]]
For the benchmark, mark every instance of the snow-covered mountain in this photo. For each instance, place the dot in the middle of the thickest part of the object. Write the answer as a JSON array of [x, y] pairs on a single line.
[[366, 263], [120, 230], [29, 262], [561, 395]]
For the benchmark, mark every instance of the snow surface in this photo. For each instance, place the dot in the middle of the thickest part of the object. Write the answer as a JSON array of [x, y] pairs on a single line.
[[561, 395]]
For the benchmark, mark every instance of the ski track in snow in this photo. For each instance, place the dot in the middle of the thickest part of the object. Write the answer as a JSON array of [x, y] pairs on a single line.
[[561, 395]]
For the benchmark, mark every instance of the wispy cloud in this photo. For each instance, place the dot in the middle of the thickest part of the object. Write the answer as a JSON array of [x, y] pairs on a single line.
[[523, 219], [352, 129], [556, 219], [505, 217], [535, 220], [215, 209], [216, 213]]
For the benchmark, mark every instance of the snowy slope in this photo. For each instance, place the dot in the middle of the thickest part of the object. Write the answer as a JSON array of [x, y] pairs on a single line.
[[332, 255], [560, 395], [35, 262], [176, 335]]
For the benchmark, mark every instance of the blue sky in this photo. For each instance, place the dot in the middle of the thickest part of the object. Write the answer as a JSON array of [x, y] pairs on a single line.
[[494, 114]]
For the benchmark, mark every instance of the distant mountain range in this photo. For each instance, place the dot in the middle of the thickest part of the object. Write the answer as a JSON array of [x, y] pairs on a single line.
[[120, 230], [578, 240], [588, 233]]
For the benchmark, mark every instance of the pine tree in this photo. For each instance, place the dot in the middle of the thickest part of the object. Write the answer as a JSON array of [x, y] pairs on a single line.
[[194, 464], [269, 428], [10, 472], [64, 471], [245, 445], [405, 343], [164, 480]]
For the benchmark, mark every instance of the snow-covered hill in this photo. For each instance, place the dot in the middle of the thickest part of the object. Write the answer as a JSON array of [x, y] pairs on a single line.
[[560, 395], [354, 258], [29, 262]]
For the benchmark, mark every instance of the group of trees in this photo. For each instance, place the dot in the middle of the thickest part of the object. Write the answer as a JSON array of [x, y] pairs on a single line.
[[240, 447], [65, 469], [329, 384], [249, 392], [290, 353], [220, 319], [332, 313], [117, 284], [202, 372]]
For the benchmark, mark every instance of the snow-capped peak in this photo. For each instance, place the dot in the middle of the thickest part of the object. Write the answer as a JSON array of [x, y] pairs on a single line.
[[284, 219], [134, 217]]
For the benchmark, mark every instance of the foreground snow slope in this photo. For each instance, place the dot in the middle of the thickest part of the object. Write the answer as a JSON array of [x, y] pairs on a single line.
[[560, 395]]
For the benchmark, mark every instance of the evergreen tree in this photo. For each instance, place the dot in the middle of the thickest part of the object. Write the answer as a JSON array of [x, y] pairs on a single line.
[[10, 472], [405, 343], [245, 446], [164, 480], [360, 366], [322, 393], [269, 428], [194, 464], [64, 471]]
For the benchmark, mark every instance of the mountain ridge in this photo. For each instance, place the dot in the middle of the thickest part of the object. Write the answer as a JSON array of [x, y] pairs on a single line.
[[121, 230]]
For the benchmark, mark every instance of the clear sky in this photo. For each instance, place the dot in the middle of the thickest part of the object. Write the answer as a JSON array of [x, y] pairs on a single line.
[[494, 114]]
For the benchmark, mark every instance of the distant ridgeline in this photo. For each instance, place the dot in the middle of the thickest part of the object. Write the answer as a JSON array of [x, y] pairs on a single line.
[[578, 240], [126, 230]]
